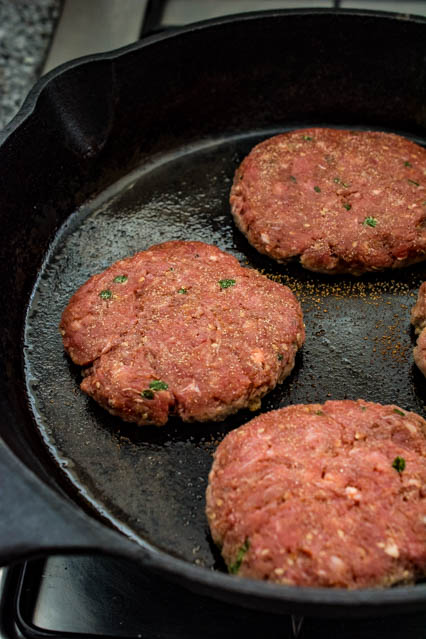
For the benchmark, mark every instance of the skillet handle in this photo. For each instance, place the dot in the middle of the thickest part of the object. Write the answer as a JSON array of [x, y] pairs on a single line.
[[35, 520]]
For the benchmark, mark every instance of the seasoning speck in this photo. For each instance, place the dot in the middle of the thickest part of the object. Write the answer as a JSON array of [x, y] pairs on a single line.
[[120, 279], [317, 189], [105, 294]]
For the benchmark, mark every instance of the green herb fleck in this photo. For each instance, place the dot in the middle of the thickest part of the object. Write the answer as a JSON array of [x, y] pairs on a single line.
[[105, 295], [363, 407], [399, 464], [370, 221], [413, 182], [406, 163], [292, 178], [157, 384], [319, 412], [120, 279], [307, 138], [347, 207], [183, 291], [148, 394], [317, 189], [234, 568], [337, 180], [398, 412], [226, 283], [280, 357]]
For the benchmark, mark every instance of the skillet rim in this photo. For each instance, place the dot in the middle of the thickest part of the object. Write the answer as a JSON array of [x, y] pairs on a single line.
[[31, 101]]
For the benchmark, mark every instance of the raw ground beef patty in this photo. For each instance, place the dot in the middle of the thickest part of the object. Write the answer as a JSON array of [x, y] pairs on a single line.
[[323, 495], [418, 320], [181, 329], [344, 201]]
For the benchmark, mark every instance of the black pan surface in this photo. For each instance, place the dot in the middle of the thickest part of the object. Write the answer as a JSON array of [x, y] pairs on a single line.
[[150, 481]]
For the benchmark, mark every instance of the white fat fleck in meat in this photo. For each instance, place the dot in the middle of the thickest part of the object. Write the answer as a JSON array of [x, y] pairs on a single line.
[[411, 427], [391, 549], [337, 564], [191, 387], [353, 493], [258, 356], [265, 238]]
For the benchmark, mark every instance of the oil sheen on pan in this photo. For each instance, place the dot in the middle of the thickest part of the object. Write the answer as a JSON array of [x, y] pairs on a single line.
[[151, 482]]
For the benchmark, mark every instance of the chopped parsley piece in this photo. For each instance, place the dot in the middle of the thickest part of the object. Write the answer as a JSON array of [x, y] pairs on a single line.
[[336, 180], [280, 356], [406, 163], [363, 407], [226, 283], [370, 221], [292, 178], [183, 291], [319, 412], [120, 279], [234, 568], [347, 207], [399, 464], [157, 384], [105, 295], [317, 189], [413, 182], [307, 138], [148, 394], [398, 412]]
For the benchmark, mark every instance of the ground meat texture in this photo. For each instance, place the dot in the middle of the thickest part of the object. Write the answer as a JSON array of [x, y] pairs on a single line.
[[418, 320], [343, 201], [323, 495], [181, 329]]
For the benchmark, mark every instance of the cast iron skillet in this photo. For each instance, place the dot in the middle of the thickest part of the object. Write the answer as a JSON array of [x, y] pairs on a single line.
[[115, 152]]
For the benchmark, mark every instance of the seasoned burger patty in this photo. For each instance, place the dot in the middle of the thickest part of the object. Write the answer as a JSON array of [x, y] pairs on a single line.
[[418, 319], [323, 495], [344, 201], [181, 329]]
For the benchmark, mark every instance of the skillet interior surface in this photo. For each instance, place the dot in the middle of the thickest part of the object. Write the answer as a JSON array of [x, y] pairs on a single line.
[[151, 482]]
